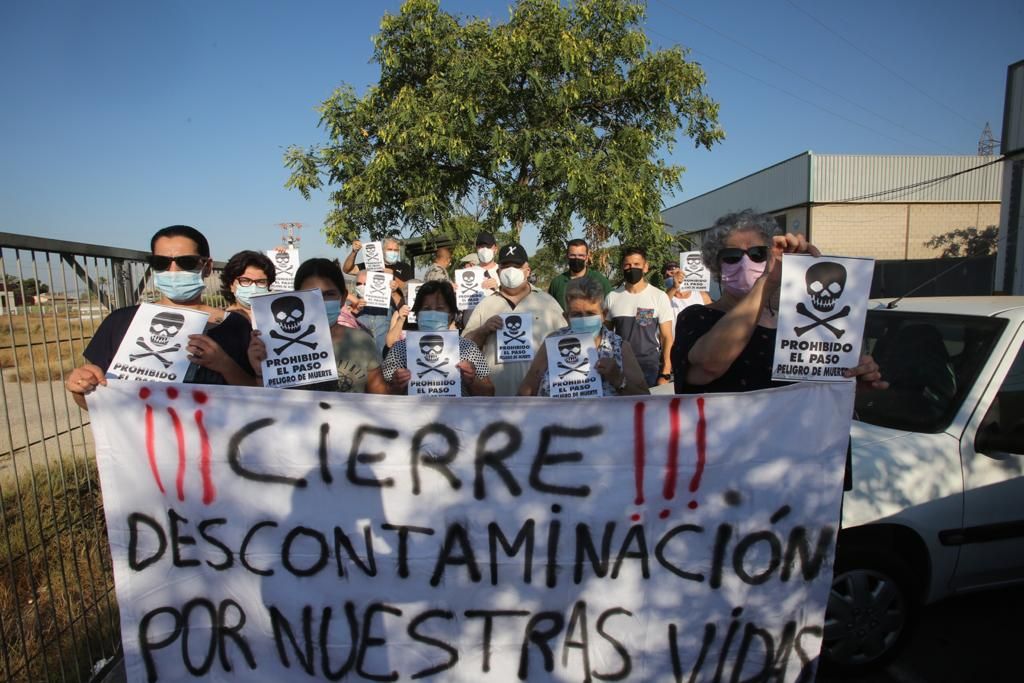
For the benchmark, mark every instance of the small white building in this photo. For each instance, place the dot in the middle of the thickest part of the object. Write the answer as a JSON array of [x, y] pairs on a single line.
[[878, 206]]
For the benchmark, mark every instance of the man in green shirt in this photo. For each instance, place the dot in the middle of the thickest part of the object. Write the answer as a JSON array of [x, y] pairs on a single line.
[[579, 266]]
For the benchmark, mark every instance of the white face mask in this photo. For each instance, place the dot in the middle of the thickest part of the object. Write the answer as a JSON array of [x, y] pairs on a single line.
[[511, 278], [485, 254]]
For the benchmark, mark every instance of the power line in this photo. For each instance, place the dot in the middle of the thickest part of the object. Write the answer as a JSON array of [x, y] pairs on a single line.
[[825, 88], [813, 18], [909, 189], [787, 92]]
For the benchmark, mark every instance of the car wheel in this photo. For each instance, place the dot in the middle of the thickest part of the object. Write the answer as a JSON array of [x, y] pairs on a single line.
[[869, 610]]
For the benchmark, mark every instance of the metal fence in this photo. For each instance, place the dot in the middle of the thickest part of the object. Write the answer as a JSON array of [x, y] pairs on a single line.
[[58, 611]]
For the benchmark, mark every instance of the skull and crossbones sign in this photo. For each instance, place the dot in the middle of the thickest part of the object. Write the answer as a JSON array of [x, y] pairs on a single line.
[[825, 284], [513, 331], [282, 263], [162, 328], [570, 351], [431, 346], [377, 281], [288, 314], [469, 281], [370, 251], [693, 266]]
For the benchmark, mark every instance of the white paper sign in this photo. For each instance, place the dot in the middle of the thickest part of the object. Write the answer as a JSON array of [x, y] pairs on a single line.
[[410, 297], [373, 256], [572, 366], [377, 291], [153, 348], [431, 358], [822, 309], [696, 276], [515, 338], [291, 535], [297, 335], [286, 262], [468, 287]]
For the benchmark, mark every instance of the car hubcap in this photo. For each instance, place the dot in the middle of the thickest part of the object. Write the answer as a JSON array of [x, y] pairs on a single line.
[[866, 614]]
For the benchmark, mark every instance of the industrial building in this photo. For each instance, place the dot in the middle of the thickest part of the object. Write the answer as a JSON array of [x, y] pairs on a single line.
[[877, 206]]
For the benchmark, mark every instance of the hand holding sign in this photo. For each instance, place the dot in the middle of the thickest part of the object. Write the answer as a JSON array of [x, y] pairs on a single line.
[[821, 318], [153, 348]]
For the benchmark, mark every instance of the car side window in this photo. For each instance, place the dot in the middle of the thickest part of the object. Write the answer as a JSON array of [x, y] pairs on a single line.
[[1002, 429]]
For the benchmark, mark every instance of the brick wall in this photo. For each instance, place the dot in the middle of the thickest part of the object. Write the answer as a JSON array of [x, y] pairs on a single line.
[[892, 231]]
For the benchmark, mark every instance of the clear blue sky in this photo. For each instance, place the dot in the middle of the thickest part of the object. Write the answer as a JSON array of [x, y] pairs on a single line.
[[121, 117]]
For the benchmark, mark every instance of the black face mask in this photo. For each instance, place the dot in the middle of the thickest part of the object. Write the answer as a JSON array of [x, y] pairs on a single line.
[[633, 275], [576, 265]]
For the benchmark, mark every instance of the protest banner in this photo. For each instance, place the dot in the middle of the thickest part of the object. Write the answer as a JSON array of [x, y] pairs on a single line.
[[515, 338], [286, 262], [468, 289], [297, 335], [696, 275], [410, 298], [153, 348], [373, 256], [822, 308], [623, 538], [572, 366], [431, 358], [378, 289]]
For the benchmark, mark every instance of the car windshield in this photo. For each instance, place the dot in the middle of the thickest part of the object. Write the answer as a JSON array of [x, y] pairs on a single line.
[[930, 361]]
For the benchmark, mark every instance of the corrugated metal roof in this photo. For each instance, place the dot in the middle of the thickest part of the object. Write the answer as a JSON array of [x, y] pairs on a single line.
[[878, 178], [782, 185]]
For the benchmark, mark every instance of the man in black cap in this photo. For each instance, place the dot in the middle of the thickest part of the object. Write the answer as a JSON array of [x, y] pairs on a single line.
[[514, 295]]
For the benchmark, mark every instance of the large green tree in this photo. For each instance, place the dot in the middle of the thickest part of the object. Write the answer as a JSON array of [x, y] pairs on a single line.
[[556, 117]]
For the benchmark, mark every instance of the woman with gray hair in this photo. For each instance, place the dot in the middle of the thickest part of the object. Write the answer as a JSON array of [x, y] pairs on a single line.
[[728, 346], [584, 310]]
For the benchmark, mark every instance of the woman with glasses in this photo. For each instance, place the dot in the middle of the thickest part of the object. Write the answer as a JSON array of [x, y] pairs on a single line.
[[357, 357], [245, 275], [180, 261], [729, 345]]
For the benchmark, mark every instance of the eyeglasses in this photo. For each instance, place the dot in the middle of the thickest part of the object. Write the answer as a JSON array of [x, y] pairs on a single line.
[[734, 254], [186, 262], [247, 281]]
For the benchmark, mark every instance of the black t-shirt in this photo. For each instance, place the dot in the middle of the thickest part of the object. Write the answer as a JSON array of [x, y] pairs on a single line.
[[751, 370], [232, 335]]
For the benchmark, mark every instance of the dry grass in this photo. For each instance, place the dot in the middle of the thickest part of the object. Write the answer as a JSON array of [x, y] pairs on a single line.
[[30, 344], [57, 609]]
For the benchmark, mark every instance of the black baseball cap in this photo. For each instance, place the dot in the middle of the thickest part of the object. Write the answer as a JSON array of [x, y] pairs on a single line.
[[401, 270], [512, 254], [485, 239]]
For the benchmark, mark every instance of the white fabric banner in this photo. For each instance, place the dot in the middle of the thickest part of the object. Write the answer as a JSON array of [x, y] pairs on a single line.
[[268, 535], [154, 347], [822, 309], [373, 256], [297, 335], [286, 262]]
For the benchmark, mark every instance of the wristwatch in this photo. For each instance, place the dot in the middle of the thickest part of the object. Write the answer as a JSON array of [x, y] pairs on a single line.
[[665, 376]]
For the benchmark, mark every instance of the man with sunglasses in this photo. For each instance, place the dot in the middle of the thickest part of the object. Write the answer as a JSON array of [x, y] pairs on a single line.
[[642, 315], [180, 260]]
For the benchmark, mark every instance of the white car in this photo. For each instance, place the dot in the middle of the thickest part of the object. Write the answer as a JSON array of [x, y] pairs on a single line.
[[937, 504]]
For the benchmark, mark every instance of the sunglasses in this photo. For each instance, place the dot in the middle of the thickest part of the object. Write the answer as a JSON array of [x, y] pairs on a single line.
[[187, 262], [734, 254]]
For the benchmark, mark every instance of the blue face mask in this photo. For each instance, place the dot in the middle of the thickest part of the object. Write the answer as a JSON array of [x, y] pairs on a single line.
[[333, 307], [180, 286], [433, 321], [390, 256], [587, 324], [243, 295]]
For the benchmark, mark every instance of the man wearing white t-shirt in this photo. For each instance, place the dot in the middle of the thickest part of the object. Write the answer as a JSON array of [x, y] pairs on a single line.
[[642, 315]]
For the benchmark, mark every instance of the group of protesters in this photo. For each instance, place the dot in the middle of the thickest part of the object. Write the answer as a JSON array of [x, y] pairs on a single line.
[[644, 336]]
